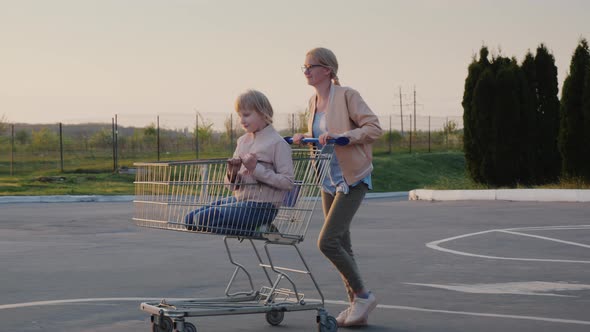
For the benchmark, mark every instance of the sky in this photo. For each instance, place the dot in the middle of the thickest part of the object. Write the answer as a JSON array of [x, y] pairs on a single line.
[[78, 61]]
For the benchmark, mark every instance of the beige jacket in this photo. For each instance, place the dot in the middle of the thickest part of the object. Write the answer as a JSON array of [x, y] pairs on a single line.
[[348, 115], [273, 176]]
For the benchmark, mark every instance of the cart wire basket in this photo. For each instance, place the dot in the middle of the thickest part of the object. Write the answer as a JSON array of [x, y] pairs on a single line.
[[187, 196]]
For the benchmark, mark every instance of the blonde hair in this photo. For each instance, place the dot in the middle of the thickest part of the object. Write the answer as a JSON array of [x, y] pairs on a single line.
[[326, 58], [257, 101]]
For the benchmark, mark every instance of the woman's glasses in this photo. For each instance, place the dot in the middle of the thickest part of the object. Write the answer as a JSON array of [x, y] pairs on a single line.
[[305, 68]]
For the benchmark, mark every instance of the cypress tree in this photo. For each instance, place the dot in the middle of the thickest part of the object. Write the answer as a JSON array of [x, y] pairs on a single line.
[[548, 159], [471, 145], [482, 113], [499, 111], [528, 134], [481, 118], [573, 142], [506, 122], [586, 115]]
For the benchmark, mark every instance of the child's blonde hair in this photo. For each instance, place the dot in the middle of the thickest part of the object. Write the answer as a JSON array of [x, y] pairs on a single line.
[[257, 101], [326, 58]]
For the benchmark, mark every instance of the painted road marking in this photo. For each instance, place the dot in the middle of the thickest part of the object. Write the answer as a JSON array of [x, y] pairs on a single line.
[[546, 238], [519, 288], [436, 244], [381, 306]]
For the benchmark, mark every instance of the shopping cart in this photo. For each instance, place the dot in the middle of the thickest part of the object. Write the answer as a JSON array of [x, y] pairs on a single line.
[[167, 192]]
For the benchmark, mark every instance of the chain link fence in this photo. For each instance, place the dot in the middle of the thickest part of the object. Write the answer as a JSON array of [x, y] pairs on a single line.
[[119, 142]]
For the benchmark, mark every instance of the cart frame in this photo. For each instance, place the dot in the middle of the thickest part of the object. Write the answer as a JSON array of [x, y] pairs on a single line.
[[165, 191]]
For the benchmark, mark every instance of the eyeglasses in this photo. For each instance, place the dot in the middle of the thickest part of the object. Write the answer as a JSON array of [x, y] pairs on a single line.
[[305, 68]]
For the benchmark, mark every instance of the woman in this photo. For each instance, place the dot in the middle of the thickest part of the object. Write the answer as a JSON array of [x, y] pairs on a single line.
[[337, 111]]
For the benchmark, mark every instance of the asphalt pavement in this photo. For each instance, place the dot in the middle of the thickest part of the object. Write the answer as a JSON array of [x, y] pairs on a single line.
[[467, 265]]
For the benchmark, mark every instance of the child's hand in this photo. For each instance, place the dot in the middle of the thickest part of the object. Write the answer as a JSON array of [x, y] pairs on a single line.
[[250, 161], [233, 166]]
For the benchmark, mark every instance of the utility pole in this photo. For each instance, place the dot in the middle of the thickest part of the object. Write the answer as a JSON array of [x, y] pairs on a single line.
[[158, 137], [415, 118], [197, 133], [401, 112]]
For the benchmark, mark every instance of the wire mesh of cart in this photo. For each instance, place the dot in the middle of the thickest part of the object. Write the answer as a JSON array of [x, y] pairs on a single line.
[[196, 196]]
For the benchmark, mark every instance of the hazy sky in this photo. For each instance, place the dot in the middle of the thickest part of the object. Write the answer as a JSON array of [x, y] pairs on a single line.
[[85, 61]]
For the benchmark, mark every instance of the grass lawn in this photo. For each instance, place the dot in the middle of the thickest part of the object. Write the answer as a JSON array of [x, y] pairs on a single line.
[[395, 172], [404, 171], [67, 184]]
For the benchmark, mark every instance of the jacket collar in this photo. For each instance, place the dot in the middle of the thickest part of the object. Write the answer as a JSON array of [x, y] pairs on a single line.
[[264, 131]]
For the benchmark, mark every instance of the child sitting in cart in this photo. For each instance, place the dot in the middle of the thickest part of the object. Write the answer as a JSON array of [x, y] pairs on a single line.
[[260, 174]]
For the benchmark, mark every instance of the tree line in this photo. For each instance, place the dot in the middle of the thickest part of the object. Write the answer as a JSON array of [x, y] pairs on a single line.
[[516, 129]]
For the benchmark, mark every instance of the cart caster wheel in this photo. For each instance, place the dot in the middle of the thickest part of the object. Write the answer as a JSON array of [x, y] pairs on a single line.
[[188, 327], [331, 325], [275, 317], [166, 325]]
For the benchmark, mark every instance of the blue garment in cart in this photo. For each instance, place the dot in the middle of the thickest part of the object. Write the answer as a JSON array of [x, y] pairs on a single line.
[[231, 217]]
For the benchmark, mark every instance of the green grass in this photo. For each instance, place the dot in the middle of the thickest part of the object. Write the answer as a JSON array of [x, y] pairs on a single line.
[[67, 184], [404, 171], [396, 172]]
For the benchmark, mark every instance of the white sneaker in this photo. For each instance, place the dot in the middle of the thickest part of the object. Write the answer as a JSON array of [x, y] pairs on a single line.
[[342, 317], [360, 310]]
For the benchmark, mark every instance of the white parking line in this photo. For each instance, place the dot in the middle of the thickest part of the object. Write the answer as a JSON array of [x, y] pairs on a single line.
[[70, 301], [536, 288], [381, 306], [436, 244], [546, 238]]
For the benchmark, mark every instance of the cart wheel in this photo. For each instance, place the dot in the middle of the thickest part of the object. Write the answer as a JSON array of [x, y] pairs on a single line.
[[189, 327], [166, 325], [330, 326], [275, 317]]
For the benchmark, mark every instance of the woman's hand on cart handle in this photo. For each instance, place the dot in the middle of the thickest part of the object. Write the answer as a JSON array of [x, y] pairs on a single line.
[[295, 139], [338, 141]]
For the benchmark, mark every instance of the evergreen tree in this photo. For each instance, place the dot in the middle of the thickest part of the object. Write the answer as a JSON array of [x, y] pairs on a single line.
[[586, 115], [499, 112], [471, 144], [480, 164], [548, 159], [506, 111], [573, 141], [529, 131]]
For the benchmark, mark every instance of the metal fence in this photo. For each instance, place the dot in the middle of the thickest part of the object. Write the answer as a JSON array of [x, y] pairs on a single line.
[[122, 140]]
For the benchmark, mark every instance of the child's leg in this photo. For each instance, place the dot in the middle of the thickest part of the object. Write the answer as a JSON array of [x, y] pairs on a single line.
[[205, 215], [242, 218]]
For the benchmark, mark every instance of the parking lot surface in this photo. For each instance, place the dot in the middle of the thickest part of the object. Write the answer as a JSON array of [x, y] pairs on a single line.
[[434, 266]]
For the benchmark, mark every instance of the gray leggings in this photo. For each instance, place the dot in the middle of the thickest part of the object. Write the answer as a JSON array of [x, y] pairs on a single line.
[[334, 238]]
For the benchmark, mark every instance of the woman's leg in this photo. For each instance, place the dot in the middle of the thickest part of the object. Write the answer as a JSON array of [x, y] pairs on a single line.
[[334, 239], [327, 201]]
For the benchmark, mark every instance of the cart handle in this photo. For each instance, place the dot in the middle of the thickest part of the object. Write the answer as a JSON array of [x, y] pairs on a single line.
[[338, 141]]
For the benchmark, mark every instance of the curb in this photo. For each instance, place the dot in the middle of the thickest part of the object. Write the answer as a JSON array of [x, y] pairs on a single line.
[[523, 195], [394, 194], [65, 199], [129, 198]]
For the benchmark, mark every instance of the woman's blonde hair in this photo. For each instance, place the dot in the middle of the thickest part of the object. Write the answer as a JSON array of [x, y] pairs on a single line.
[[257, 101], [326, 58]]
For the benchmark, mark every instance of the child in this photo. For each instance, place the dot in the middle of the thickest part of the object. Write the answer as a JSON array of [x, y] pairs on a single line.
[[260, 174]]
